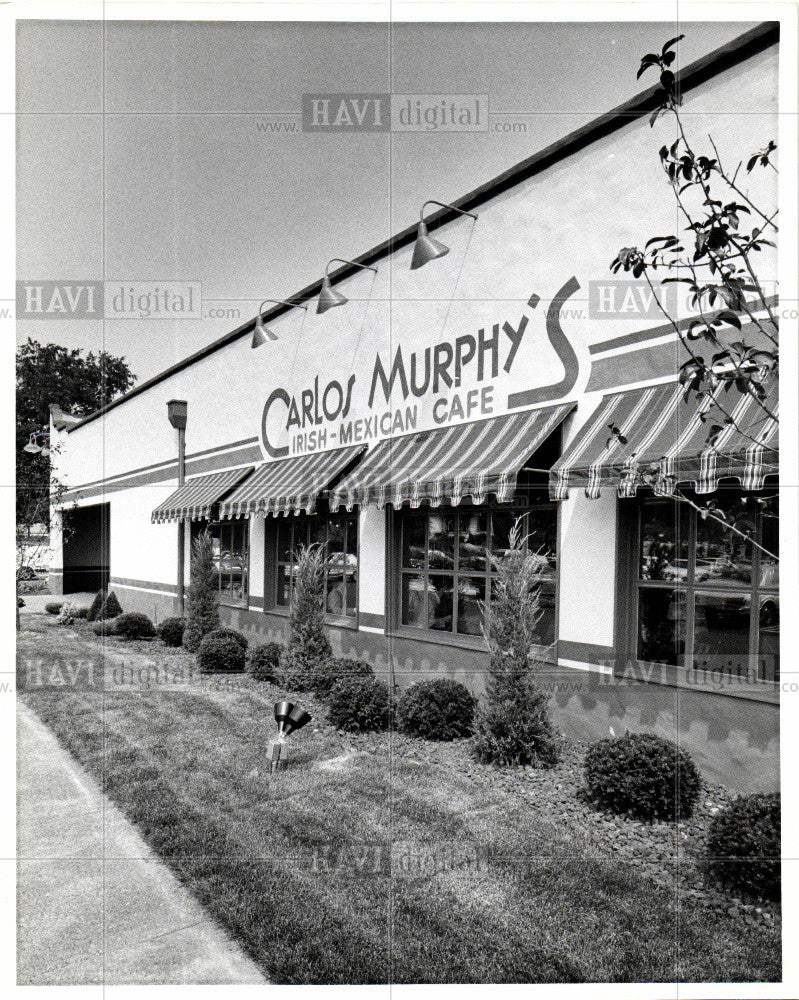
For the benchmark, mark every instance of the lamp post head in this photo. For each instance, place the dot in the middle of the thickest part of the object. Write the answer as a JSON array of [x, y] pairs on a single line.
[[176, 411]]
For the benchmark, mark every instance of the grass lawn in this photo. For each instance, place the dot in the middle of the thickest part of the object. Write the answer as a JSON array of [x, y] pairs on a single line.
[[359, 865]]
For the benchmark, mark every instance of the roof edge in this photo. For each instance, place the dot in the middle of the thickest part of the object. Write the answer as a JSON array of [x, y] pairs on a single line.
[[745, 46]]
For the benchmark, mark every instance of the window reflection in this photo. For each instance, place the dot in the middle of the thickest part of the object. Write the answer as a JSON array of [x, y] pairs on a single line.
[[338, 534], [724, 617], [449, 557]]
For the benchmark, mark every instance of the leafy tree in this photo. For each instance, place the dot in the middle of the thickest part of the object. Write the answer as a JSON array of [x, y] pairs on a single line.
[[308, 646], [202, 614], [716, 259], [50, 373], [514, 725]]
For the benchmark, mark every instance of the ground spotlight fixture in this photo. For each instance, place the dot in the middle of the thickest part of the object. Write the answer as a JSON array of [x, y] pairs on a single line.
[[289, 718], [426, 248], [328, 296], [262, 334]]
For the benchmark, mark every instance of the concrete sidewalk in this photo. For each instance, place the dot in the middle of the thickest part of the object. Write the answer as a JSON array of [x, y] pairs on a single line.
[[94, 904]]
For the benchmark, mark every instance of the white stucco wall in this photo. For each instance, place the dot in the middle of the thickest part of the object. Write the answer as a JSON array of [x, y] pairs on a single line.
[[568, 221]]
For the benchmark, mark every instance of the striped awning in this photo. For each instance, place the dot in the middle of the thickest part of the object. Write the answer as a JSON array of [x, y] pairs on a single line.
[[289, 484], [195, 498], [450, 464], [657, 430]]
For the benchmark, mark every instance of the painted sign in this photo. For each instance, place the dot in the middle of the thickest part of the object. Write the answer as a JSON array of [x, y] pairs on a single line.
[[466, 377]]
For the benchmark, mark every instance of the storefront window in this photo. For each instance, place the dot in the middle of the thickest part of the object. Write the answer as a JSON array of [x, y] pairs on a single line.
[[231, 541], [448, 565], [707, 592], [339, 536]]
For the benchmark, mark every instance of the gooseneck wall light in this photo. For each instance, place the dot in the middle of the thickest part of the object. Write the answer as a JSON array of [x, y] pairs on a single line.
[[426, 248], [33, 447], [262, 334], [330, 297]]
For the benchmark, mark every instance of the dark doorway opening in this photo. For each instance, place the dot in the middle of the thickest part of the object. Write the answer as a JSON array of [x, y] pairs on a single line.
[[86, 548]]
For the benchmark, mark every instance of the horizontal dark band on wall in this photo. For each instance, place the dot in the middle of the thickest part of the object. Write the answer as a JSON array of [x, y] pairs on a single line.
[[371, 620], [161, 588], [585, 652], [663, 331], [212, 463]]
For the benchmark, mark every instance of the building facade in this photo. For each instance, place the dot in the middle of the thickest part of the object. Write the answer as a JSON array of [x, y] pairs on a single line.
[[410, 426]]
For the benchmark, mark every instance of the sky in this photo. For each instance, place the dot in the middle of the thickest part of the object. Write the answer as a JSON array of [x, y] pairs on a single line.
[[145, 151]]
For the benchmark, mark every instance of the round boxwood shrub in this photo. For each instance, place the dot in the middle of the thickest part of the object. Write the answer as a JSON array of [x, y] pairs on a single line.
[[264, 661], [642, 775], [327, 673], [231, 633], [359, 704], [134, 625], [53, 607], [105, 626], [436, 710], [81, 612], [170, 631], [743, 844], [220, 654]]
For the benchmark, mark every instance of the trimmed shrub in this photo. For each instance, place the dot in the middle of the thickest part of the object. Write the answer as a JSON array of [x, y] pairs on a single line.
[[308, 645], [202, 611], [642, 775], [220, 654], [436, 710], [95, 606], [328, 673], [170, 631], [81, 612], [743, 844], [359, 704], [67, 614], [105, 626], [134, 625], [232, 634], [517, 731], [53, 607], [110, 607], [264, 661]]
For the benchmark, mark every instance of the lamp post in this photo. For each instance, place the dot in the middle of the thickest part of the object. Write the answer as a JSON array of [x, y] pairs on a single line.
[[176, 411]]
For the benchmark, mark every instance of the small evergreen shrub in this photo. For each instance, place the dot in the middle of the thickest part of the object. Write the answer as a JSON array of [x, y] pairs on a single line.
[[326, 674], [308, 645], [743, 844], [514, 725], [232, 634], [202, 611], [642, 775], [81, 612], [220, 654], [359, 704], [517, 731], [105, 626], [67, 614], [110, 607], [170, 631], [436, 710], [95, 606], [264, 661], [53, 607], [134, 625]]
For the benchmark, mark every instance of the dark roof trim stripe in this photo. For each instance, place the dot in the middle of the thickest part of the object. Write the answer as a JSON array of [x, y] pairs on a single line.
[[696, 73]]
